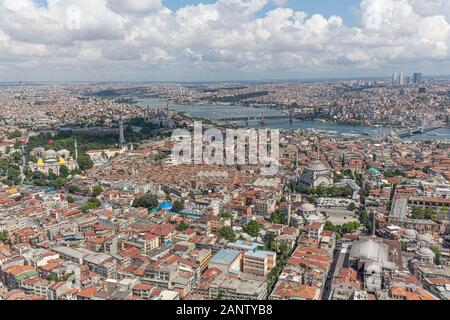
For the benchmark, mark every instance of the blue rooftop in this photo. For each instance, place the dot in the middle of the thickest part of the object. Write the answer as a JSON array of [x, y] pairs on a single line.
[[225, 256], [245, 245], [259, 254], [166, 206]]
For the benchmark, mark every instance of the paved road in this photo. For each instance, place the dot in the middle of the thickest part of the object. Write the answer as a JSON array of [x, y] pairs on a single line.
[[327, 288]]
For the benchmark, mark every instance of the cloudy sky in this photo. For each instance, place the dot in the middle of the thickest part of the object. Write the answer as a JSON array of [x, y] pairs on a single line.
[[196, 40]]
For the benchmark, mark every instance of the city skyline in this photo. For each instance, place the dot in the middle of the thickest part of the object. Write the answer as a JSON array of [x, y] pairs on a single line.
[[220, 40]]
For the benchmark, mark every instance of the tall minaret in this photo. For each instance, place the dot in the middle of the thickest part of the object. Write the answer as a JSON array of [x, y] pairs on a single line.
[[373, 224], [75, 146], [23, 163], [121, 133], [289, 208]]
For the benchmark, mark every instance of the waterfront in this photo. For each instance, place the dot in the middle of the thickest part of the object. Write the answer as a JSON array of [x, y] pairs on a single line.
[[215, 112]]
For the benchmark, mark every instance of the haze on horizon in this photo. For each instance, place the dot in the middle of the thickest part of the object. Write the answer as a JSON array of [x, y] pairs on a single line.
[[186, 40]]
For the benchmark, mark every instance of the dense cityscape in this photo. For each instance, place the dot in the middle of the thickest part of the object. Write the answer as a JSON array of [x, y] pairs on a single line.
[[93, 205]]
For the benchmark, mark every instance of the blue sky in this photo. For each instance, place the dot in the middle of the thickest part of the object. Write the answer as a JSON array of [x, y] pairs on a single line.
[[343, 8]]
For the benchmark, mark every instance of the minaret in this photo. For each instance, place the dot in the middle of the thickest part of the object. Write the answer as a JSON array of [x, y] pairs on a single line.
[[289, 208], [23, 163], [75, 146], [373, 224], [121, 133]]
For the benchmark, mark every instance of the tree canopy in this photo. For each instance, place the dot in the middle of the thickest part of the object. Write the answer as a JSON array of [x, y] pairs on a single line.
[[146, 201], [252, 228], [228, 233]]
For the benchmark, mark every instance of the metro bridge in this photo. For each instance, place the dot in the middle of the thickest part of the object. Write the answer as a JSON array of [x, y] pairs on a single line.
[[263, 117], [412, 131]]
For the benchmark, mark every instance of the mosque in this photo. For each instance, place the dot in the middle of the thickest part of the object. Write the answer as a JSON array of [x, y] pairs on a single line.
[[52, 160], [316, 174]]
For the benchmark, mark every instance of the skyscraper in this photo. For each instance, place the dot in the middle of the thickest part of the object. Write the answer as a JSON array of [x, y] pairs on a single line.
[[394, 78], [401, 79], [417, 77]]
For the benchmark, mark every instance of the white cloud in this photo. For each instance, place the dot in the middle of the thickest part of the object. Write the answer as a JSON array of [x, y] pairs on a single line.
[[226, 36], [136, 7]]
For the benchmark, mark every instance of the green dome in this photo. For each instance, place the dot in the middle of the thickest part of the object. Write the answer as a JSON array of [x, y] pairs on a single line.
[[373, 170]]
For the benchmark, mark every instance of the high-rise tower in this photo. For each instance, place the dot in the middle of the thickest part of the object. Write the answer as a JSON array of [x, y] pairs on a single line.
[[401, 79], [394, 78], [417, 77]]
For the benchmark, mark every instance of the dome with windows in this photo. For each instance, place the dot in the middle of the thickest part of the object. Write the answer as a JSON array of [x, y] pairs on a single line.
[[316, 165], [307, 208], [316, 174], [410, 234], [425, 254]]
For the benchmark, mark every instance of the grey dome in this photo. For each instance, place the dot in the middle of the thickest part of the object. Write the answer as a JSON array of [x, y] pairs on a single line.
[[316, 165], [426, 237], [373, 268], [425, 252], [307, 207], [410, 234]]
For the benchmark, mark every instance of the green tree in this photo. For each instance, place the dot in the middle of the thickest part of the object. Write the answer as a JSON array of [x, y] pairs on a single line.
[[70, 199], [404, 246], [252, 228], [182, 226], [417, 212], [178, 206], [64, 171], [91, 203], [14, 135], [278, 217], [74, 189], [437, 254], [429, 213], [52, 277], [146, 201], [84, 162], [226, 215], [59, 182], [228, 233], [4, 237], [97, 190]]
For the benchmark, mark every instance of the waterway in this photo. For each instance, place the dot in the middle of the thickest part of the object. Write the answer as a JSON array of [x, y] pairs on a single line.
[[214, 112]]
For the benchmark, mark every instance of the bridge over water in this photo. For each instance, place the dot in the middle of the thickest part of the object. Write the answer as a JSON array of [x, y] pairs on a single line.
[[417, 130], [263, 117]]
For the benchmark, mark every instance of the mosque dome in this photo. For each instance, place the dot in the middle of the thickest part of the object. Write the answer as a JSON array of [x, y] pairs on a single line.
[[426, 237], [307, 208], [316, 165], [62, 161], [410, 234], [373, 268], [316, 174], [40, 163], [425, 253], [314, 218]]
